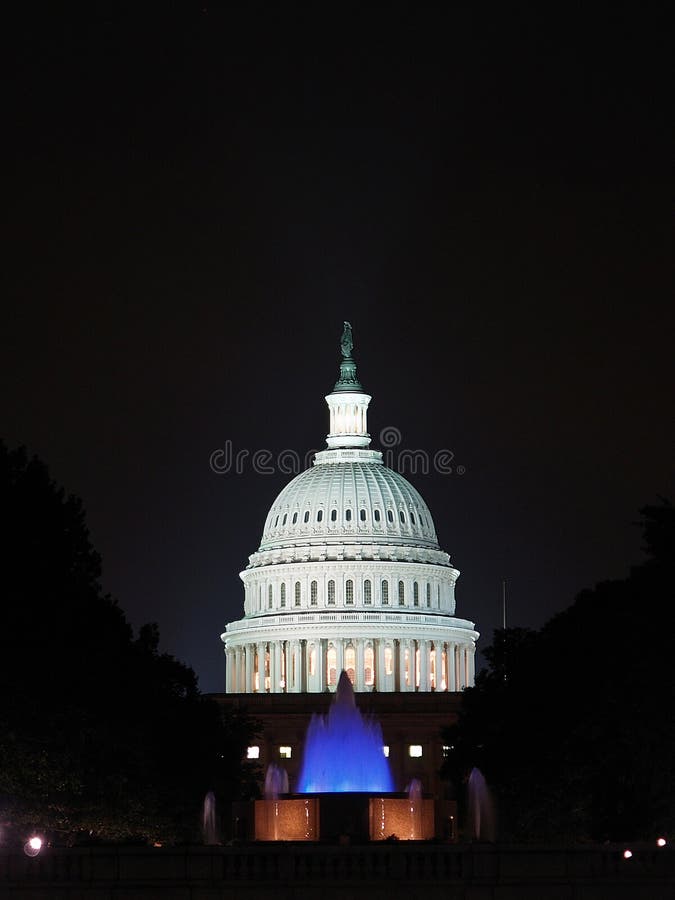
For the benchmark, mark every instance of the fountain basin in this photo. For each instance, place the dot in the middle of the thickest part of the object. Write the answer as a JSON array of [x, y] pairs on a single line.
[[335, 816]]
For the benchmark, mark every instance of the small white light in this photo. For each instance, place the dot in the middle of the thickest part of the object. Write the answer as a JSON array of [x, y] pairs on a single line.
[[32, 846], [253, 753], [385, 750], [627, 854], [415, 750], [285, 752], [661, 842]]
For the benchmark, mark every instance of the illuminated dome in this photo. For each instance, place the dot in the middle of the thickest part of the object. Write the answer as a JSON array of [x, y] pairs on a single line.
[[349, 575], [349, 497]]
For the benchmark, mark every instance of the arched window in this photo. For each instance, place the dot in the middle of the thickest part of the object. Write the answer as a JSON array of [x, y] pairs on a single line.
[[333, 515], [295, 518], [348, 514], [319, 516], [331, 593], [306, 517], [349, 592], [438, 595], [385, 593], [297, 593], [390, 516], [313, 593], [276, 521], [367, 592], [376, 515], [368, 666], [416, 594], [283, 596], [401, 594], [362, 515], [428, 594], [350, 663], [269, 596], [401, 516], [331, 665], [283, 521], [412, 517]]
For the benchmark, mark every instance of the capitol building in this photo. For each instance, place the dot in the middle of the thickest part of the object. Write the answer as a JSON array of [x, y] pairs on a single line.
[[349, 575]]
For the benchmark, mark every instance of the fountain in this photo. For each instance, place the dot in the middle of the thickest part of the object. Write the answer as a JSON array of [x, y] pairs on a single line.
[[345, 784], [481, 808], [343, 751], [209, 825]]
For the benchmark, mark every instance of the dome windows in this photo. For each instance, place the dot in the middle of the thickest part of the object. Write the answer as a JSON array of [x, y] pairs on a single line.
[[362, 514], [412, 518], [390, 516], [283, 521], [305, 518], [376, 515], [313, 591], [385, 592], [333, 515], [269, 597], [367, 592], [401, 594], [295, 518], [276, 521], [349, 592], [282, 604], [416, 594], [319, 515], [348, 515], [428, 595], [401, 516], [297, 593], [331, 593]]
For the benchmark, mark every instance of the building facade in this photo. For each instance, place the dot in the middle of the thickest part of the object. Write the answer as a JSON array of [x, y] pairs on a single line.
[[349, 575]]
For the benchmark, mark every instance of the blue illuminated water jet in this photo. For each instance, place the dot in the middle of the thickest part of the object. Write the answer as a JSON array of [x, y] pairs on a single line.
[[343, 751]]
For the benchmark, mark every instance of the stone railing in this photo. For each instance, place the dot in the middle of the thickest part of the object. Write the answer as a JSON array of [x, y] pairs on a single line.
[[263, 870]]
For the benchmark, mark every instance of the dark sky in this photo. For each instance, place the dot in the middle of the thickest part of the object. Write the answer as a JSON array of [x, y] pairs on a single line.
[[194, 200]]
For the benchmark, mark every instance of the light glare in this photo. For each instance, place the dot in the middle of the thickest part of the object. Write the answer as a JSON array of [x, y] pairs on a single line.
[[627, 854], [661, 842]]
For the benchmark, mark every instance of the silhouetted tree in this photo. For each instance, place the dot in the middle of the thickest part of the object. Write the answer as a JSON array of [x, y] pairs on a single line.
[[99, 732], [574, 725]]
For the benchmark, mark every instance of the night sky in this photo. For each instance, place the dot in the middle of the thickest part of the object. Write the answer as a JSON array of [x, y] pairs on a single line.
[[195, 200]]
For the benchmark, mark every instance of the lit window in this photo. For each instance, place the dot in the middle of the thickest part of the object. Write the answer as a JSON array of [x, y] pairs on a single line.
[[362, 515], [313, 593], [368, 666], [385, 750], [331, 593], [348, 514], [367, 592], [401, 594], [385, 593], [331, 665], [297, 593], [415, 751], [287, 752], [376, 515], [349, 592], [253, 753], [446, 750]]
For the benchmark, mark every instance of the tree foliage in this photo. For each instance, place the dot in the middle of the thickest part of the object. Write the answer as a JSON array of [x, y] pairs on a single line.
[[573, 726], [99, 731]]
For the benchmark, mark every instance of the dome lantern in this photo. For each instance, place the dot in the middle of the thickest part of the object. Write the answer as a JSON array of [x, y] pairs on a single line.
[[348, 404]]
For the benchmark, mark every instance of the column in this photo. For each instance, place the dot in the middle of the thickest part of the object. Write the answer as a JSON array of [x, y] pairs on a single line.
[[340, 654], [380, 677], [320, 665], [438, 650], [424, 667], [472, 666], [229, 679], [401, 665], [286, 653], [360, 664], [249, 668], [260, 667], [459, 661], [450, 663], [274, 675]]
